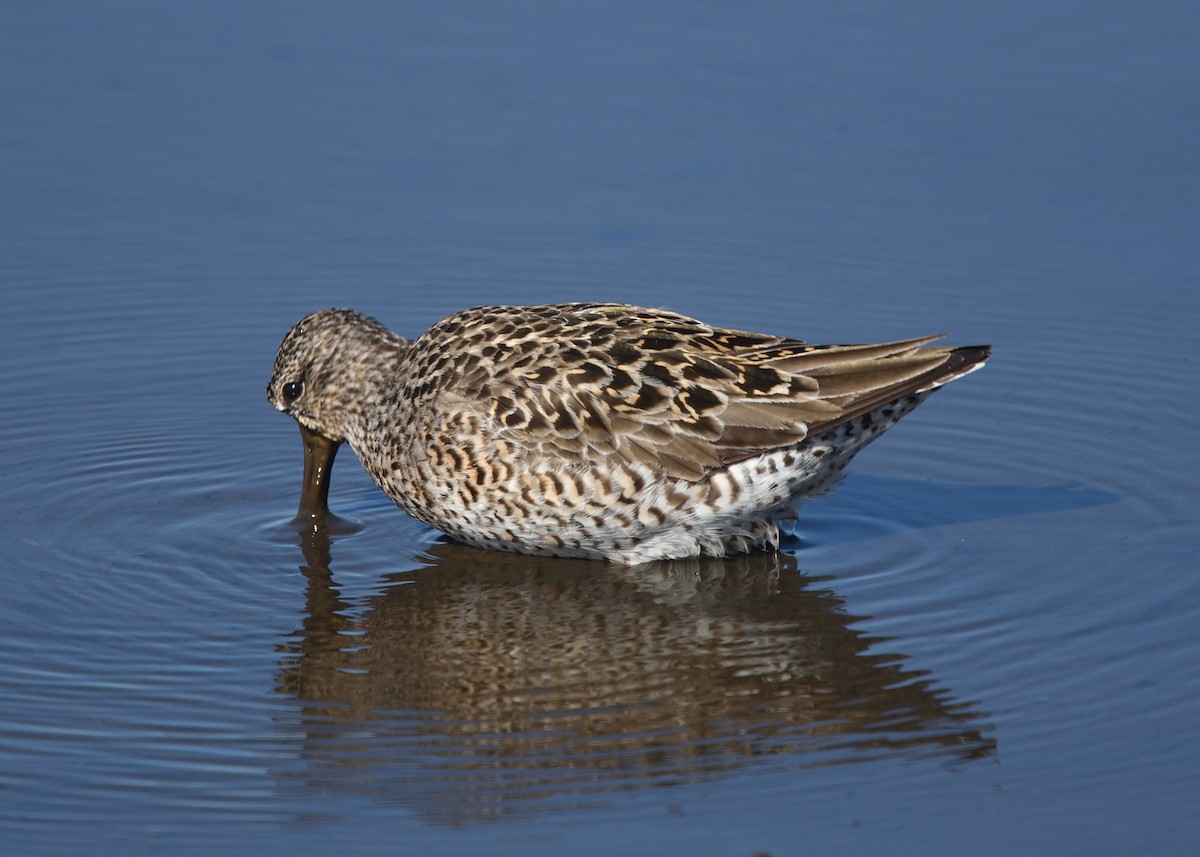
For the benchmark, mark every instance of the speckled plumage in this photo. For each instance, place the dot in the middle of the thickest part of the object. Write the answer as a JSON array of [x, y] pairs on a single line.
[[598, 430]]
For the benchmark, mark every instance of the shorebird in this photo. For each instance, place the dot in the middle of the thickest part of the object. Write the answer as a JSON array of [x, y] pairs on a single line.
[[595, 430]]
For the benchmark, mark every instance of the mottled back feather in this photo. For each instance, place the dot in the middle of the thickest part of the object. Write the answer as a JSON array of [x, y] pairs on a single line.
[[651, 387]]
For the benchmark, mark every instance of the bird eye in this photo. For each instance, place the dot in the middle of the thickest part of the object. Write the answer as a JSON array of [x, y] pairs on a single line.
[[292, 391]]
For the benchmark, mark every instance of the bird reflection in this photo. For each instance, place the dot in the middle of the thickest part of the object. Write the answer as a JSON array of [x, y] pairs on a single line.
[[488, 684]]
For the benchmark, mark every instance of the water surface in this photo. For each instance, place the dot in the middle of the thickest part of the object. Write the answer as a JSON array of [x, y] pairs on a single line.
[[984, 642]]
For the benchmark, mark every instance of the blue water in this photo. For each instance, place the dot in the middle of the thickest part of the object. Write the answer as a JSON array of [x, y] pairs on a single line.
[[983, 642]]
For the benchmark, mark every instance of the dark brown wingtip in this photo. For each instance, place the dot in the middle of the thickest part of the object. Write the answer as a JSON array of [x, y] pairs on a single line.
[[319, 452], [961, 360]]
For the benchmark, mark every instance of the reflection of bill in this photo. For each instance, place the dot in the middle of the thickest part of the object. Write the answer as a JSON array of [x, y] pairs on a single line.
[[487, 682]]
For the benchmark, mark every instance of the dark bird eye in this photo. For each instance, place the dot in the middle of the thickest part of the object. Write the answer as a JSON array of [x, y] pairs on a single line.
[[292, 391]]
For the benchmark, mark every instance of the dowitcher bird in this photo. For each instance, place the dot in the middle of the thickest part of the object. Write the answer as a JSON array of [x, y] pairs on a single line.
[[594, 430]]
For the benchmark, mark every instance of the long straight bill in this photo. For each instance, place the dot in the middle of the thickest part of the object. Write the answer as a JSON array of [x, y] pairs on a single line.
[[319, 452]]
